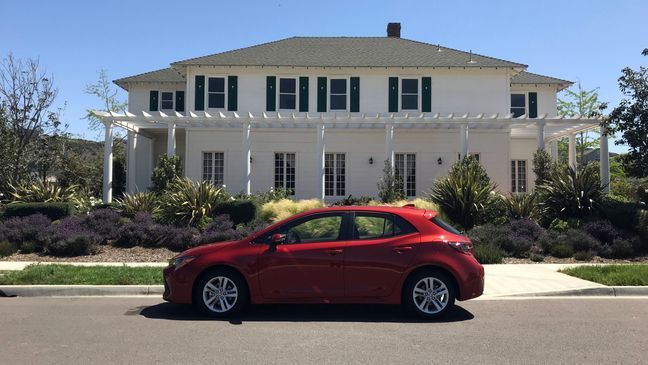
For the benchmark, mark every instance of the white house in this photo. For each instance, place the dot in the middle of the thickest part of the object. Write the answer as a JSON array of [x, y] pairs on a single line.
[[320, 115]]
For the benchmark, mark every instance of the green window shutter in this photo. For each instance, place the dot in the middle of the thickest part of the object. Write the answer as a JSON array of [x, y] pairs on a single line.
[[355, 95], [533, 105], [179, 101], [232, 93], [321, 94], [153, 100], [271, 93], [393, 94], [303, 94], [200, 93], [426, 95]]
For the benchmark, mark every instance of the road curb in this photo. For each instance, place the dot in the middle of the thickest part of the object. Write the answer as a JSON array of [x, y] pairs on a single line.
[[603, 291], [80, 290]]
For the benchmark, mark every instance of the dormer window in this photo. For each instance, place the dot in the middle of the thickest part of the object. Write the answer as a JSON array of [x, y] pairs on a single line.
[[338, 94], [216, 93], [409, 94], [287, 93]]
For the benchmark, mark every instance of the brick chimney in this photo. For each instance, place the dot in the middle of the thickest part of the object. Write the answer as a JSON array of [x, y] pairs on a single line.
[[393, 30]]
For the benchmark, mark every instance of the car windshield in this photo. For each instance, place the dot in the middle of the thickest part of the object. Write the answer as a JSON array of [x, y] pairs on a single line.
[[445, 226]]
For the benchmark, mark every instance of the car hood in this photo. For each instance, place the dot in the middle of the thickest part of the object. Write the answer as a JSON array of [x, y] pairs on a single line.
[[206, 249]]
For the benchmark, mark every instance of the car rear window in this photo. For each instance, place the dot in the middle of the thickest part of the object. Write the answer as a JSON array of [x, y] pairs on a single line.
[[445, 226]]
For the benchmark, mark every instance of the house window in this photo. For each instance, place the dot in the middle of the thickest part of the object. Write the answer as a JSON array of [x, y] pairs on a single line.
[[476, 156], [284, 171], [518, 105], [287, 93], [334, 174], [518, 176], [409, 94], [338, 94], [216, 93], [405, 171], [214, 167], [166, 101]]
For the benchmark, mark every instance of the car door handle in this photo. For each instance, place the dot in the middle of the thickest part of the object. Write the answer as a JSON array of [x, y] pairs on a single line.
[[402, 249], [332, 252]]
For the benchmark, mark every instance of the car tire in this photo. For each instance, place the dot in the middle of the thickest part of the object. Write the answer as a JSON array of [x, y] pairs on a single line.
[[429, 294], [221, 293]]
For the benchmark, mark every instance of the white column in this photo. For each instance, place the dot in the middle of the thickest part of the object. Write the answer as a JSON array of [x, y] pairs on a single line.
[[171, 139], [541, 135], [107, 164], [321, 151], [605, 160], [463, 141], [389, 143], [246, 159], [572, 150], [131, 182], [553, 145]]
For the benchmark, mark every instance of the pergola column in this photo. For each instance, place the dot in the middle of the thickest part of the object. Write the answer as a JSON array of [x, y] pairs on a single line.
[[463, 141], [131, 182], [553, 150], [171, 139], [541, 135], [246, 159], [572, 150], [107, 163], [605, 160], [321, 151], [389, 143]]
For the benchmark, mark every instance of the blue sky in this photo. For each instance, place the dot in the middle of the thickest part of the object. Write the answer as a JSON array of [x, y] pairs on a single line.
[[590, 41]]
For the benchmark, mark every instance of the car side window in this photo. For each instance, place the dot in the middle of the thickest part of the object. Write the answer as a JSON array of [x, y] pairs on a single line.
[[316, 229], [369, 225]]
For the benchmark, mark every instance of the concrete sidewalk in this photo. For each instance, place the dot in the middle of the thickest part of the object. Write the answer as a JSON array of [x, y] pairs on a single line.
[[505, 280]]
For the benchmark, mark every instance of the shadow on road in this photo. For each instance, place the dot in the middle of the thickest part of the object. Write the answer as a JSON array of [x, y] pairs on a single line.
[[299, 313]]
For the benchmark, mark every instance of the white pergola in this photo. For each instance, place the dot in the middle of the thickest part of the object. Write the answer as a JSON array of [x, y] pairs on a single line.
[[545, 130]]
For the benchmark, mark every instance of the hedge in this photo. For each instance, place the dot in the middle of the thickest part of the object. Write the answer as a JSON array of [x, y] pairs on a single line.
[[240, 211], [53, 211]]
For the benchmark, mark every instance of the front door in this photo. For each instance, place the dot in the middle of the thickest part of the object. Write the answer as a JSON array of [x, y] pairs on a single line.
[[309, 263]]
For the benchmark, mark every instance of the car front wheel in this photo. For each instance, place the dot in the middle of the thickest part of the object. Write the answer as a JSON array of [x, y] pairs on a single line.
[[429, 294], [221, 293]]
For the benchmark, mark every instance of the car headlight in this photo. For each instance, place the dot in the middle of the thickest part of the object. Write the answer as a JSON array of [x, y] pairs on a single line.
[[181, 261]]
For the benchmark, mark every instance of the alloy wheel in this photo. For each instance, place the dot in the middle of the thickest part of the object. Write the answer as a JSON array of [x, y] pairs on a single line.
[[430, 295], [220, 294]]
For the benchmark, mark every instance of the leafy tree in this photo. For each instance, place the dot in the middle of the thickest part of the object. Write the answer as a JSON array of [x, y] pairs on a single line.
[[586, 104], [630, 119], [168, 169], [542, 166], [107, 93], [390, 187]]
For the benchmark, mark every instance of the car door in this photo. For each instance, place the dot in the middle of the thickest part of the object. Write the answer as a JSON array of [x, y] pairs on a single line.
[[309, 263], [380, 250]]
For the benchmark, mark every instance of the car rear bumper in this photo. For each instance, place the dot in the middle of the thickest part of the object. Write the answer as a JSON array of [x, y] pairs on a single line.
[[473, 283], [177, 287]]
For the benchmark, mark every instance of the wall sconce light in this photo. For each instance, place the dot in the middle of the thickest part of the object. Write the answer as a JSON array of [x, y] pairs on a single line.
[[370, 160], [440, 161], [251, 159]]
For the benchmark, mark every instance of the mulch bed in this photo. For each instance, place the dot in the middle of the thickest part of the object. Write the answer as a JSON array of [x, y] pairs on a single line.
[[106, 254]]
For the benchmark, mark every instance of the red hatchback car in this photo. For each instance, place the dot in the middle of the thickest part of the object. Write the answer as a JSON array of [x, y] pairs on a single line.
[[348, 254]]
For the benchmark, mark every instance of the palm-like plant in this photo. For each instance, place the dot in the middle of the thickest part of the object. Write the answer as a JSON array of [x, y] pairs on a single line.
[[41, 191], [464, 194], [189, 202], [131, 204], [522, 206], [571, 193]]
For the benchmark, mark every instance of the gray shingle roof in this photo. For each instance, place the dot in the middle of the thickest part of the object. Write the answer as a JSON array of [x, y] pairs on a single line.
[[347, 52], [531, 78], [163, 75]]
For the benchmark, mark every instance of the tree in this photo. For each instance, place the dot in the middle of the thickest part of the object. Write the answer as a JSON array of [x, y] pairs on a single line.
[[542, 166], [390, 187], [107, 94], [27, 96], [586, 104], [630, 119], [168, 169]]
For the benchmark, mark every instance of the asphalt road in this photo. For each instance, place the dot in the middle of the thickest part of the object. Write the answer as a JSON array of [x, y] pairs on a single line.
[[145, 330]]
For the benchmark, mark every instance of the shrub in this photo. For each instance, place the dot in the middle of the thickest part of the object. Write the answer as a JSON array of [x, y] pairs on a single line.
[[569, 193], [542, 166], [562, 250], [623, 215], [186, 202], [351, 200], [174, 238], [527, 228], [496, 211], [488, 254], [168, 169], [239, 211], [221, 229], [536, 257], [103, 222], [390, 187], [520, 206], [263, 197], [54, 211], [141, 202], [549, 240], [602, 230], [282, 209], [584, 256], [619, 249], [559, 225], [464, 194], [137, 232], [581, 241], [252, 227], [40, 191], [7, 248], [70, 237], [642, 227], [514, 239], [29, 234]]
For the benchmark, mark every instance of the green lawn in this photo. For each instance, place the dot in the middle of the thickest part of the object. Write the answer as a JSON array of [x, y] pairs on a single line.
[[83, 275], [621, 275]]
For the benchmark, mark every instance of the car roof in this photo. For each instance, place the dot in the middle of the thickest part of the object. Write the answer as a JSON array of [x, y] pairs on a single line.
[[406, 210]]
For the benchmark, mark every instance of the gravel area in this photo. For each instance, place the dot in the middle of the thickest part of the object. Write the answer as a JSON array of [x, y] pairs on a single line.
[[106, 254]]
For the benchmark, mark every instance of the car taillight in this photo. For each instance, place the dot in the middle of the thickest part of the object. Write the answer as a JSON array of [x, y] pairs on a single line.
[[463, 247]]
